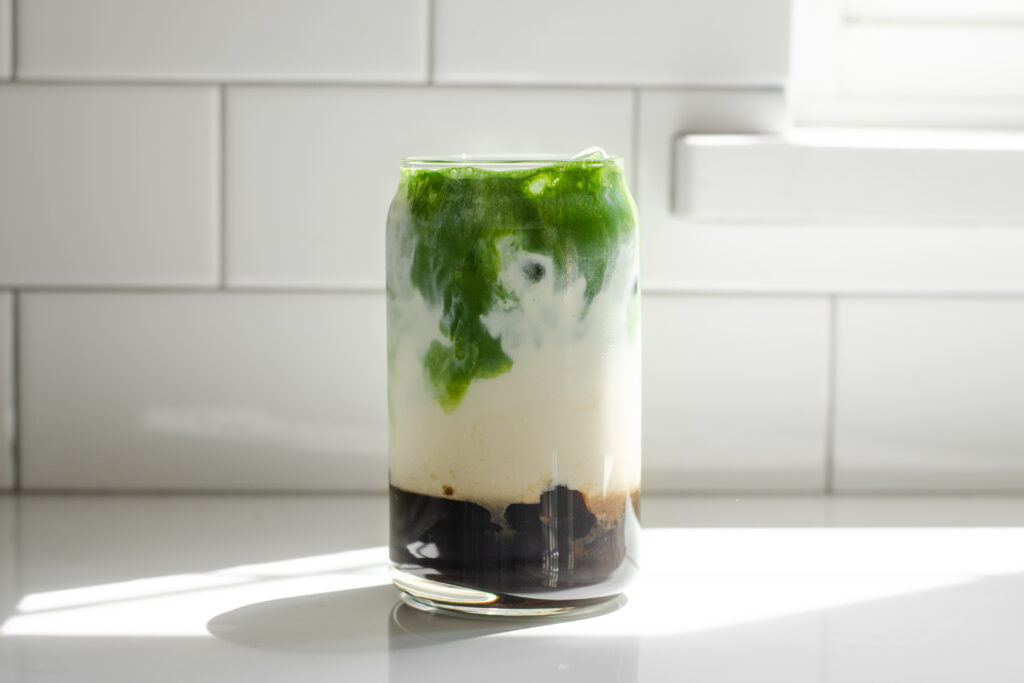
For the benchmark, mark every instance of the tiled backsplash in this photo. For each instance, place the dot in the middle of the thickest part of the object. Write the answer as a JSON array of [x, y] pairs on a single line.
[[929, 394], [192, 204], [203, 391], [7, 416], [649, 42], [108, 185], [310, 171], [223, 40], [735, 392]]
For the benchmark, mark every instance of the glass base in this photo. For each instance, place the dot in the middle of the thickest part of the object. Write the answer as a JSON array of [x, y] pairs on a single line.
[[429, 595]]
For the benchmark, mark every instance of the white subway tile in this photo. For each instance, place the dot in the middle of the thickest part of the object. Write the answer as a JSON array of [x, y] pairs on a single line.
[[311, 171], [929, 395], [108, 185], [677, 254], [646, 42], [6, 39], [7, 416], [203, 391], [358, 40], [734, 393]]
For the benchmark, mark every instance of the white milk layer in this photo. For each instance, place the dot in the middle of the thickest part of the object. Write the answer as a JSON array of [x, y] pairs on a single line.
[[567, 413]]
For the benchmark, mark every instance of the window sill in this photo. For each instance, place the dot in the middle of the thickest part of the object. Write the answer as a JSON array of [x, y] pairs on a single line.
[[849, 177], [840, 212]]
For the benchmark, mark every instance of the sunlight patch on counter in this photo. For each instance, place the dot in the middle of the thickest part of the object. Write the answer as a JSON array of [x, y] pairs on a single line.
[[692, 580], [695, 580], [180, 605]]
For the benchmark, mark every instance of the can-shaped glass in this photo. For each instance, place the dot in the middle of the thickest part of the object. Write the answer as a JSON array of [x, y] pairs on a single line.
[[513, 311]]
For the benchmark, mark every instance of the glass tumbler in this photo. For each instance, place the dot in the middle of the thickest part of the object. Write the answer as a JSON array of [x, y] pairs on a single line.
[[513, 383]]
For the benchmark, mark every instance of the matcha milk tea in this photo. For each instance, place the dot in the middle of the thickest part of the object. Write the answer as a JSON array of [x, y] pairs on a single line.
[[513, 383]]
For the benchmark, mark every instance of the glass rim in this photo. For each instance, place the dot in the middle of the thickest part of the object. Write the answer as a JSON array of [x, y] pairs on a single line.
[[502, 161]]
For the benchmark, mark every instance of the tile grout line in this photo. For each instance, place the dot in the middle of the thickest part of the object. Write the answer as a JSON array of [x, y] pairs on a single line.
[[830, 396], [668, 291], [222, 208], [87, 80], [650, 290], [201, 289], [431, 24], [675, 177], [13, 34], [634, 142], [143, 492], [15, 360]]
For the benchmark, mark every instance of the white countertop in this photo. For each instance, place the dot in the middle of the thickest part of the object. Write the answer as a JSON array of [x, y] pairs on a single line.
[[296, 589]]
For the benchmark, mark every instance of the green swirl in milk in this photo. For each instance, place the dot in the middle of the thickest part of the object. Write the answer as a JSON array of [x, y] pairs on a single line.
[[465, 225]]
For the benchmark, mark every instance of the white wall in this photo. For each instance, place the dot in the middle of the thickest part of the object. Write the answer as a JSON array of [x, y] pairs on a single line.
[[192, 203]]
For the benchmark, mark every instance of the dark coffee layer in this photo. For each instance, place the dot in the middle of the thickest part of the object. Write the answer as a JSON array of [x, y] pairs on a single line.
[[555, 544]]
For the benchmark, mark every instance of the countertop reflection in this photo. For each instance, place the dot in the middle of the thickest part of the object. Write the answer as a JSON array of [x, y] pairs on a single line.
[[240, 588]]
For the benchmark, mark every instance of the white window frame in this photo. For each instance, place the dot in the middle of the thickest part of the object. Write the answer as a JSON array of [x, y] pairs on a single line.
[[816, 99]]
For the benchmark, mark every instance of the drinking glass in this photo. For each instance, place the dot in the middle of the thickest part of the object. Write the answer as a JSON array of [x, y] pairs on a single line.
[[513, 314]]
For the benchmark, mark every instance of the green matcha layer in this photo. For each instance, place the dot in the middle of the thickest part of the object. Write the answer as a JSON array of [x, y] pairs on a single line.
[[461, 223]]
